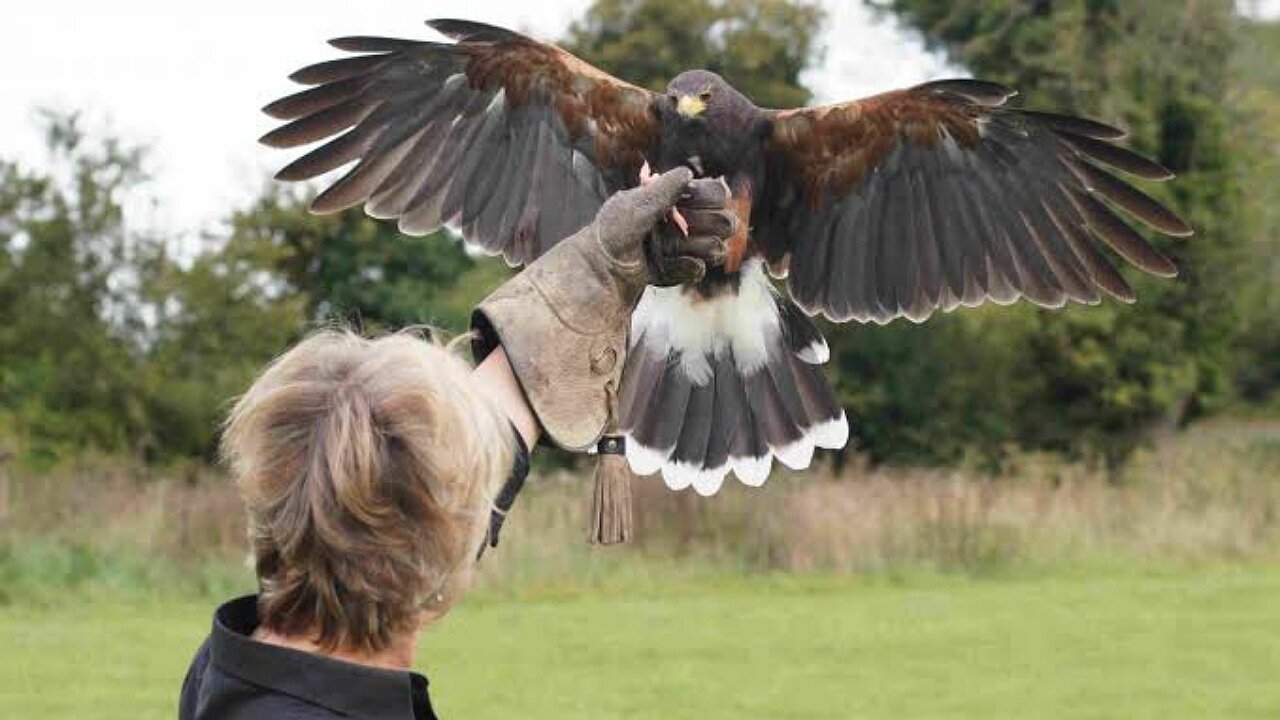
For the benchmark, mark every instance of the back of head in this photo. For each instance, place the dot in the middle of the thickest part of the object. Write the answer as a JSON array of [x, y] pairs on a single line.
[[367, 468]]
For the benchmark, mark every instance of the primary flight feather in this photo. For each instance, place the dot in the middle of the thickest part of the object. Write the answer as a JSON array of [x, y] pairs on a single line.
[[896, 205]]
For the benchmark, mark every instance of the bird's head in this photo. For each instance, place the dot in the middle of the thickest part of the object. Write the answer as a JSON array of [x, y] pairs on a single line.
[[697, 95]]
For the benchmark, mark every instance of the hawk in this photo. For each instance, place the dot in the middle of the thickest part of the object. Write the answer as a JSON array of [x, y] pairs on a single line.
[[896, 205]]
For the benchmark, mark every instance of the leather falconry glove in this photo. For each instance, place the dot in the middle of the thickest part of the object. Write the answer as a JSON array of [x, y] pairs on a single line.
[[564, 320]]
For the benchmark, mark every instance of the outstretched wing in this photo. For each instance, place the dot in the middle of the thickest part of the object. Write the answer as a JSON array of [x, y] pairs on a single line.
[[938, 196], [517, 142]]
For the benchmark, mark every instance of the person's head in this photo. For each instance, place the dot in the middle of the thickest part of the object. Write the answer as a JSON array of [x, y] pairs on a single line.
[[367, 467]]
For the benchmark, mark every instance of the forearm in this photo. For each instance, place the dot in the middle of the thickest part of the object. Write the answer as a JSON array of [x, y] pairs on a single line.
[[495, 376]]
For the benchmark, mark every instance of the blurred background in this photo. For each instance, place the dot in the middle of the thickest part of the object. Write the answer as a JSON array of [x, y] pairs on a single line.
[[1040, 514]]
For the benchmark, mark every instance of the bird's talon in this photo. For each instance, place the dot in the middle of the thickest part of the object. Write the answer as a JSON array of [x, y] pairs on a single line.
[[680, 222]]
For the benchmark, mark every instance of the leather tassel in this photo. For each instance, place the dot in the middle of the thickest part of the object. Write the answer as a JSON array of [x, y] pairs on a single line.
[[611, 501]]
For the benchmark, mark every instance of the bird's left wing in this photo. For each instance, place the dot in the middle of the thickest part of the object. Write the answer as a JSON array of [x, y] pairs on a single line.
[[937, 196], [515, 141]]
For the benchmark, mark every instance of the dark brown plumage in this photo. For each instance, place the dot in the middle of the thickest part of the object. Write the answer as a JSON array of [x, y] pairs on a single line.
[[1004, 203], [515, 141], [895, 205]]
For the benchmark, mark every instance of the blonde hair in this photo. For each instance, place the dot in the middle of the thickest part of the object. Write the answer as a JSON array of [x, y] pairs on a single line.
[[367, 467]]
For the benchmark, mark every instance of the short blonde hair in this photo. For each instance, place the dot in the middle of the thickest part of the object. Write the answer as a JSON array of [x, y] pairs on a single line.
[[367, 467]]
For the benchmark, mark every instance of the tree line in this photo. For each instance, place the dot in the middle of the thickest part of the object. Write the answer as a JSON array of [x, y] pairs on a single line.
[[121, 341]]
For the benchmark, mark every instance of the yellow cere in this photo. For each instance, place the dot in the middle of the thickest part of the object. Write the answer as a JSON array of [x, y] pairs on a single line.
[[690, 106]]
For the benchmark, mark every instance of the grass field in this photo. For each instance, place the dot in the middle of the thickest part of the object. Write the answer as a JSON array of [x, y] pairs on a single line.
[[1191, 643]]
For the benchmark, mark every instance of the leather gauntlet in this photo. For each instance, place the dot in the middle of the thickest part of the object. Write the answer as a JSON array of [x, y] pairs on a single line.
[[563, 323]]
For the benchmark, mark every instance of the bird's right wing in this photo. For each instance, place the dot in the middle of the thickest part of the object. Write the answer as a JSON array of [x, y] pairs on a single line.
[[937, 196], [515, 141]]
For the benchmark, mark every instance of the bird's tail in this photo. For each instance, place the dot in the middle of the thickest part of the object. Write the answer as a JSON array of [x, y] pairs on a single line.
[[727, 382]]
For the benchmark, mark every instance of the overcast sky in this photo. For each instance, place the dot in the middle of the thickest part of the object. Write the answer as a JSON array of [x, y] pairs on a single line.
[[189, 78]]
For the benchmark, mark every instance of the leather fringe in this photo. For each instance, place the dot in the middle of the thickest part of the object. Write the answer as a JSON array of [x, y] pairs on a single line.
[[611, 500]]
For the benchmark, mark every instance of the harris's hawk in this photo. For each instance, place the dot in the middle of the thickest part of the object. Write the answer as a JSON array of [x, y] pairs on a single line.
[[897, 205]]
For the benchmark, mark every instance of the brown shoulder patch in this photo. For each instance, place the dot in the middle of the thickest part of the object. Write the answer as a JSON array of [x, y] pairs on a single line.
[[830, 150], [617, 115]]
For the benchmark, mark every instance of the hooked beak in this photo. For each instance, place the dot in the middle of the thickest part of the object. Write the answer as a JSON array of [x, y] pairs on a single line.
[[690, 106]]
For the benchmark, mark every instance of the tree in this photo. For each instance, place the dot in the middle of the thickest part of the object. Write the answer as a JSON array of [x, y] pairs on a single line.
[[281, 272], [351, 268], [760, 46], [106, 343], [1255, 134], [220, 320], [70, 317], [1093, 380]]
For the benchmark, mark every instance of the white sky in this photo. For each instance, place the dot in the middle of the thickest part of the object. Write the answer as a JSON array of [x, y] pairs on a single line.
[[189, 78]]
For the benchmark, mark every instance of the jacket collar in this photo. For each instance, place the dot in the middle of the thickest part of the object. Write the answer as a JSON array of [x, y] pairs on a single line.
[[354, 690]]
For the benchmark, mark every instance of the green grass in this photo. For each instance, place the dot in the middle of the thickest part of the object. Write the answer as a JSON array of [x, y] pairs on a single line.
[[1191, 643]]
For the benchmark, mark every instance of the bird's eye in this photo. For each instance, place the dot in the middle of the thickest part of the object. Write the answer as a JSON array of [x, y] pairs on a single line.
[[705, 95], [674, 98]]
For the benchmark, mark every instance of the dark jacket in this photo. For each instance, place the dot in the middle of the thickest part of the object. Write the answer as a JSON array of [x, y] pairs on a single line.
[[234, 677]]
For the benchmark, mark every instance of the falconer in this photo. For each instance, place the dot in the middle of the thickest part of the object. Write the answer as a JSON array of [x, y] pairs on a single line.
[[371, 469]]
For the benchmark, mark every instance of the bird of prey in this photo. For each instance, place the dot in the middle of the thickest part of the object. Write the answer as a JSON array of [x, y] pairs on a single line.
[[897, 205]]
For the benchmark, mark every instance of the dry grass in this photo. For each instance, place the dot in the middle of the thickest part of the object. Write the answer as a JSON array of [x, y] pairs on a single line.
[[109, 504], [1211, 493], [1208, 494]]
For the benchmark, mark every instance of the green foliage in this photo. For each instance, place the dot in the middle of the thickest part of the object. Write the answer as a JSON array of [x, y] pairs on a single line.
[[109, 343], [1085, 380], [69, 310], [920, 392], [220, 319], [1255, 134], [353, 269], [760, 46]]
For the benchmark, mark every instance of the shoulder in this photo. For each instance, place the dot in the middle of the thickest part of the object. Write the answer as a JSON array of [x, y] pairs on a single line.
[[192, 683], [209, 693]]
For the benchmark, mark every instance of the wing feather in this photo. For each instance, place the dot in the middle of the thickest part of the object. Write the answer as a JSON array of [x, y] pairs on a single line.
[[515, 141], [1117, 157], [940, 196], [849, 246], [1132, 200]]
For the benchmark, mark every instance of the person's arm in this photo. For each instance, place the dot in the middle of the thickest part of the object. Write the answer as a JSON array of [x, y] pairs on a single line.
[[496, 378], [495, 375]]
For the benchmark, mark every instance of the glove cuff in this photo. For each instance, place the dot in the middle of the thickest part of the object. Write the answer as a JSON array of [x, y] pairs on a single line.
[[563, 322]]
